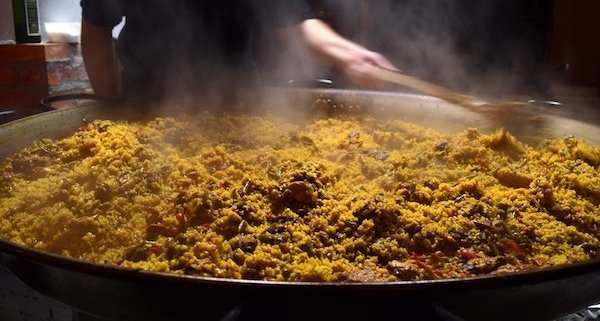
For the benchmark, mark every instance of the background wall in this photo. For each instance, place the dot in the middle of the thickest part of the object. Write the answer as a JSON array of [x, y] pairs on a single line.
[[50, 11], [576, 44], [60, 10], [7, 31]]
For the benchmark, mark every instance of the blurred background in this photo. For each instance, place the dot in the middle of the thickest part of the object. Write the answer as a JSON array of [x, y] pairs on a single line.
[[510, 46], [493, 47]]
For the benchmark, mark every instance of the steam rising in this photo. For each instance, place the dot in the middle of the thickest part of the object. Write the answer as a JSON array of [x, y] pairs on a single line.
[[468, 46], [487, 47]]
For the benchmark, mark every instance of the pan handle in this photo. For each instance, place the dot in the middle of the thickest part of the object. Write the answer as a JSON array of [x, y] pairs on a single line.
[[545, 103], [312, 83], [46, 103]]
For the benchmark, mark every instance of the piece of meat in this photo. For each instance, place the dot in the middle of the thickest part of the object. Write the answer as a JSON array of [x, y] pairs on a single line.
[[514, 179]]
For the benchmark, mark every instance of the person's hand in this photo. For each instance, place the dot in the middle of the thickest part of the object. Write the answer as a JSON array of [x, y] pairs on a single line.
[[359, 65]]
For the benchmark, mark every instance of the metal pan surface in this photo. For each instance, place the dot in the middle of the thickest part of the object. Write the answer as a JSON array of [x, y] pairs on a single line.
[[113, 293]]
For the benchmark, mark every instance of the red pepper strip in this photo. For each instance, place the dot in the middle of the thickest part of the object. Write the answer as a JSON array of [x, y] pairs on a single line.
[[510, 246]]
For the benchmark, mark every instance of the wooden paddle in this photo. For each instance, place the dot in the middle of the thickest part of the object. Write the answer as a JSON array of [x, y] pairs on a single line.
[[434, 90]]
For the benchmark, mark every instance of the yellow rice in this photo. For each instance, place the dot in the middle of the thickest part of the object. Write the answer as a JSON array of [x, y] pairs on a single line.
[[338, 199]]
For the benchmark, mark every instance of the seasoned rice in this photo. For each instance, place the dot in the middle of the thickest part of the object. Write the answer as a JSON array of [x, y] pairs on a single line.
[[338, 199]]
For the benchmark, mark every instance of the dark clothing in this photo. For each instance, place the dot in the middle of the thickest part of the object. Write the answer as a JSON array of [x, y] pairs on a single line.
[[182, 46]]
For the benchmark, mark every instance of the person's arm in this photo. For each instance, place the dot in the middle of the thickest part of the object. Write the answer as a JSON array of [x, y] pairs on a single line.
[[98, 55], [356, 61]]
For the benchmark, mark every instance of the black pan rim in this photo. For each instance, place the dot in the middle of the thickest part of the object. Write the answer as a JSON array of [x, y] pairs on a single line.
[[478, 282]]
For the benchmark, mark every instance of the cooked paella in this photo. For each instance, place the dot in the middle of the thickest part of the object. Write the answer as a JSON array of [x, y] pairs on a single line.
[[333, 200]]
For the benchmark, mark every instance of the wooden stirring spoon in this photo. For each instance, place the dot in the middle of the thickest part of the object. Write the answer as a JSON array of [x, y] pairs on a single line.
[[470, 102]]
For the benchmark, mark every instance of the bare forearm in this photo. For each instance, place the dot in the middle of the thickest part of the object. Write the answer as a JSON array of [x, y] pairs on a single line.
[[325, 43], [358, 63], [98, 55]]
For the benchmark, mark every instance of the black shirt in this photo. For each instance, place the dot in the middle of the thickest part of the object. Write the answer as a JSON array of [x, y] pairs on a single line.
[[204, 47]]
